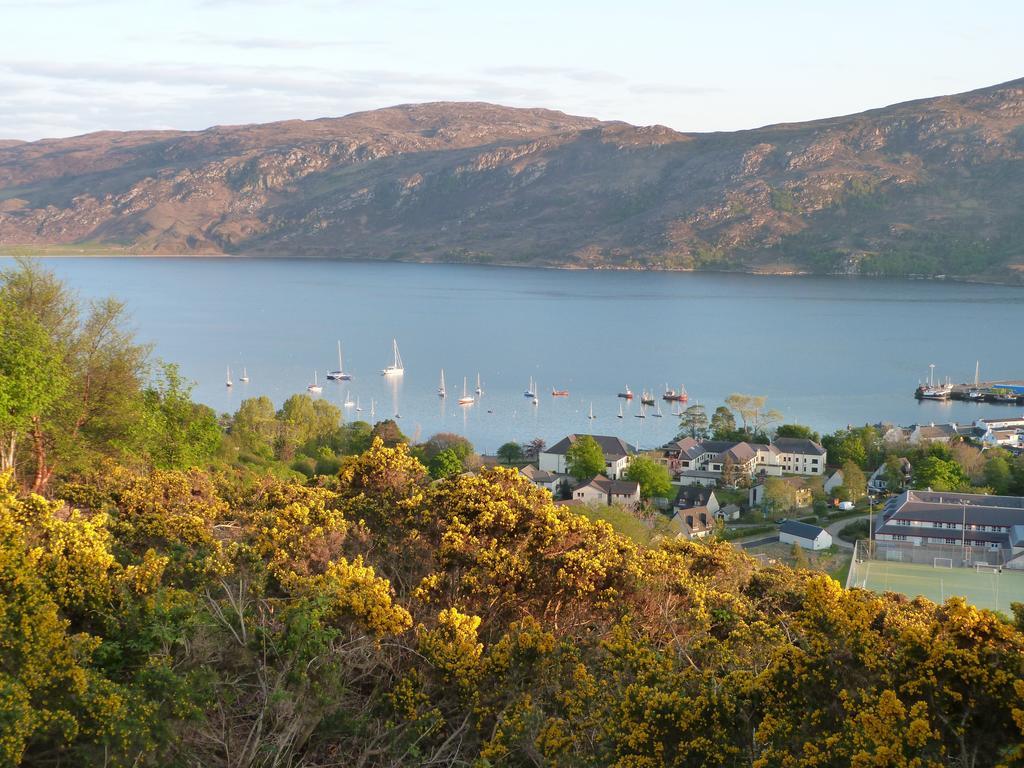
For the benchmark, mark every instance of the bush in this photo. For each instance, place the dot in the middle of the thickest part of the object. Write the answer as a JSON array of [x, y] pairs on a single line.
[[304, 465]]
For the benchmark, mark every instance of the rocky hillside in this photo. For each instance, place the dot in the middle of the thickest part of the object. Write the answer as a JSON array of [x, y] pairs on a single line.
[[931, 187]]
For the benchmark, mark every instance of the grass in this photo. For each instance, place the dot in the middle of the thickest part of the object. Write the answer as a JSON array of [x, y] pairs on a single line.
[[985, 590]]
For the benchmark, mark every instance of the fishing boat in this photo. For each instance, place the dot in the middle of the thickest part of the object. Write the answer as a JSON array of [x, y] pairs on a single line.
[[646, 398], [591, 415], [620, 410], [244, 378], [479, 388], [315, 387], [559, 392], [339, 375], [442, 391], [531, 391], [466, 399], [396, 368], [228, 382], [676, 396], [627, 394], [349, 402]]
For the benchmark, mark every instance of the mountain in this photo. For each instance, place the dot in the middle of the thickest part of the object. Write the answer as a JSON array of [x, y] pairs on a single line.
[[929, 187]]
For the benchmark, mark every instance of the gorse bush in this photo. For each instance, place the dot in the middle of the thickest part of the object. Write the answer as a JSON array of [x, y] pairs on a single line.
[[381, 617]]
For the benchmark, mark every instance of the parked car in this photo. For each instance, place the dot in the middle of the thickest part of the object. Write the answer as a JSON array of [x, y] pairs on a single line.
[[846, 506]]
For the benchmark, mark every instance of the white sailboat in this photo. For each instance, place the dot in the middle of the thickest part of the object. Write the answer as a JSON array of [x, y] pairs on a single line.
[[358, 407], [535, 401], [466, 399], [339, 375], [620, 410], [373, 409], [657, 411], [396, 368], [349, 403], [315, 387], [228, 382], [531, 391], [591, 415], [244, 378], [442, 391], [479, 389], [643, 412]]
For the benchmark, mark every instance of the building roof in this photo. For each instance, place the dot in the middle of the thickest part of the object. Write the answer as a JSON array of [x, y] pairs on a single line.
[[613, 487], [612, 447], [798, 445], [937, 431], [802, 530], [950, 507], [695, 495], [741, 453], [539, 475]]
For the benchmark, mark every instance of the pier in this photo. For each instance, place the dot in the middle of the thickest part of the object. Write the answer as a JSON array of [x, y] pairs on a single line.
[[1010, 392]]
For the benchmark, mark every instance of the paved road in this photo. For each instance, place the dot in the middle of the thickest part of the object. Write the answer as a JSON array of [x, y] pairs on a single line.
[[836, 527], [758, 542]]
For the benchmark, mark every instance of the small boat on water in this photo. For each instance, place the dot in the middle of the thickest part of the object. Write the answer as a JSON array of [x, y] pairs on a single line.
[[646, 398], [677, 396], [359, 408], [657, 411], [244, 378], [643, 412], [627, 394], [228, 382], [479, 388], [466, 399], [349, 402], [442, 391], [591, 415], [531, 391], [373, 409], [559, 392], [620, 410], [339, 375], [396, 368], [535, 400], [315, 387]]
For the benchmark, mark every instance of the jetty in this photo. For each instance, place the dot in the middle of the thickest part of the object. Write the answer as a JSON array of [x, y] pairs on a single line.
[[1010, 392]]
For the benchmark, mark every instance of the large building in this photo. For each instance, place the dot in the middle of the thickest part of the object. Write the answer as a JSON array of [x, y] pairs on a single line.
[[688, 457], [617, 453], [994, 523]]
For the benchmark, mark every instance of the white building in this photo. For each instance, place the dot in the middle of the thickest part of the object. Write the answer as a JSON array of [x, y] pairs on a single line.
[[617, 454], [806, 535], [688, 456]]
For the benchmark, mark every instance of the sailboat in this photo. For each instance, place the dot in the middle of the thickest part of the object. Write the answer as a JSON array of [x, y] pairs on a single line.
[[373, 410], [396, 368], [315, 387], [442, 390], [591, 415], [228, 382], [535, 401], [643, 412], [620, 410], [479, 389], [531, 391], [339, 375], [348, 401], [657, 411], [466, 399]]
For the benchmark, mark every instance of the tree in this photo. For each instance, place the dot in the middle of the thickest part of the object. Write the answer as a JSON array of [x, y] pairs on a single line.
[[654, 478], [255, 425], [31, 378], [939, 474], [173, 431], [723, 423], [534, 448], [893, 475], [799, 556], [730, 472], [694, 422], [752, 411], [798, 431], [388, 432], [854, 481], [998, 475], [445, 441], [510, 452], [780, 496], [445, 464], [584, 458]]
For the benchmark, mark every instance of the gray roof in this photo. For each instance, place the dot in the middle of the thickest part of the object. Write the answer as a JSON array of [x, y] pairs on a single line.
[[798, 445], [612, 447], [803, 530], [949, 507], [694, 495], [614, 487]]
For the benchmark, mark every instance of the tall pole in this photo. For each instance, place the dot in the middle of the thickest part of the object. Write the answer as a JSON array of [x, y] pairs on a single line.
[[963, 538]]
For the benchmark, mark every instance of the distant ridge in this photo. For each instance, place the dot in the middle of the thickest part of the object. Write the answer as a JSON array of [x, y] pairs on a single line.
[[928, 187]]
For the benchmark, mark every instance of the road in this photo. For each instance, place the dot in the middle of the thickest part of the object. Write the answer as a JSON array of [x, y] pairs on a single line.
[[748, 543], [836, 527]]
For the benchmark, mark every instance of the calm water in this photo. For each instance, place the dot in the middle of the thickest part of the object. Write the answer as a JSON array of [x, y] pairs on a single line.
[[825, 352]]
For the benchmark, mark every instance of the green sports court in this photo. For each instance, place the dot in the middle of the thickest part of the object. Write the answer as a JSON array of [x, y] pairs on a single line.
[[986, 588]]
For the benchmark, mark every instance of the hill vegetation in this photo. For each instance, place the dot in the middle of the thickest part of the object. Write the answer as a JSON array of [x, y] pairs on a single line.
[[923, 188]]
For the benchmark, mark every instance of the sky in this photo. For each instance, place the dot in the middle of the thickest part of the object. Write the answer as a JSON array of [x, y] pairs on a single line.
[[70, 66]]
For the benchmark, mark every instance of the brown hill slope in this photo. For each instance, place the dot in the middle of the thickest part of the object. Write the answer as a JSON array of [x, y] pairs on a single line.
[[927, 187]]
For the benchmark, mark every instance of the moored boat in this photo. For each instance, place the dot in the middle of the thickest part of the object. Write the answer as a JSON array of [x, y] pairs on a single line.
[[626, 394]]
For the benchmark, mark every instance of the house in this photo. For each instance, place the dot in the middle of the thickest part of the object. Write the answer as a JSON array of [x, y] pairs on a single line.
[[804, 494], [729, 460], [933, 433], [698, 477], [690, 496], [617, 454], [878, 484], [833, 479], [806, 535], [728, 512], [602, 491], [993, 524], [543, 478], [693, 523], [1006, 432]]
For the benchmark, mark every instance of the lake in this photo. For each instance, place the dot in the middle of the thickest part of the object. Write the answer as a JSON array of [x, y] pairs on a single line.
[[826, 352]]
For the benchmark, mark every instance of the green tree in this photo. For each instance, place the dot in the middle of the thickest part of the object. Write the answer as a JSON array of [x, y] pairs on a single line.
[[254, 425], [799, 556], [448, 441], [172, 430], [752, 411], [654, 478], [779, 496], [694, 422], [939, 475], [388, 432], [510, 452], [854, 481], [445, 464], [723, 423], [584, 458], [998, 475], [798, 431], [893, 474]]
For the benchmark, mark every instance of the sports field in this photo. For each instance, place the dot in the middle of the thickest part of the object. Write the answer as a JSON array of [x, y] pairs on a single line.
[[986, 589]]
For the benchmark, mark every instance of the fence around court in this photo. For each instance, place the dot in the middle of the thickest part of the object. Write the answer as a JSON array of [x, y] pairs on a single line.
[[921, 554]]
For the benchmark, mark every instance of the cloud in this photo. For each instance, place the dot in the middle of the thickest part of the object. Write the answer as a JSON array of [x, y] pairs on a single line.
[[283, 44], [671, 89], [569, 73]]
